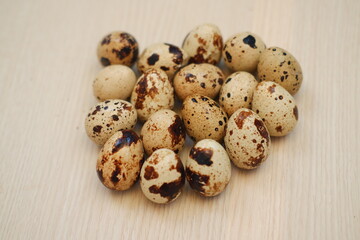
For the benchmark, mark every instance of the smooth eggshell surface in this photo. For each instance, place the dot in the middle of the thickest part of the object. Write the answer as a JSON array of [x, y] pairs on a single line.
[[204, 79], [119, 162], [276, 107], [203, 118], [208, 168], [162, 176], [114, 82], [241, 52], [153, 91], [118, 48], [237, 92], [164, 56], [204, 44], [164, 129], [247, 140], [278, 65], [108, 117]]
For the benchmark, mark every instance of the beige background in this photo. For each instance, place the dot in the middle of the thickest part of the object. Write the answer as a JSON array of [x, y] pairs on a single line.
[[308, 189]]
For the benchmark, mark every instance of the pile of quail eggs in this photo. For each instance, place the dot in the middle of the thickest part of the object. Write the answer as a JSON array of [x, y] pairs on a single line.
[[230, 119]]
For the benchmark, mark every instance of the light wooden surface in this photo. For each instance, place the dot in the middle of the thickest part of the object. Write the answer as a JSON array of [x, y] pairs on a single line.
[[309, 188]]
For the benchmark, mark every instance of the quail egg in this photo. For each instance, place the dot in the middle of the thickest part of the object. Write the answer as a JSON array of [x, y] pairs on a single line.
[[204, 44], [204, 79], [208, 168], [164, 129], [276, 107], [162, 176], [108, 117], [153, 91], [247, 139], [118, 48], [119, 162]]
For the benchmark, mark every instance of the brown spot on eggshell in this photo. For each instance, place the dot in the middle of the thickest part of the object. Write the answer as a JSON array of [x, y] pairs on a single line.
[[239, 120], [169, 190], [190, 77], [177, 131], [114, 176], [279, 129], [261, 129], [97, 129], [196, 180], [150, 173], [178, 55], [202, 155], [271, 88], [128, 137], [295, 111]]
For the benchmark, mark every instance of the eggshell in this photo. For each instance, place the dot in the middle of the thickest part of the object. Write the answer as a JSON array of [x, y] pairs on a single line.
[[278, 65], [162, 176], [241, 52], [204, 79], [203, 118], [164, 129], [208, 168], [114, 82], [118, 48], [276, 107], [164, 56], [119, 162], [108, 117], [204, 44], [237, 92], [153, 91], [247, 139]]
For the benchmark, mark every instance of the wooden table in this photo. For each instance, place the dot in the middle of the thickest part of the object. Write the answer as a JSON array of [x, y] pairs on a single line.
[[309, 188]]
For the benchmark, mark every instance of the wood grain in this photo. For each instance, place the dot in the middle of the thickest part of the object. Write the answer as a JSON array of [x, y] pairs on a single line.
[[309, 188]]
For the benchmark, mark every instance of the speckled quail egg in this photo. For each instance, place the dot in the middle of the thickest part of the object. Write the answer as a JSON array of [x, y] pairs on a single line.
[[164, 129], [247, 140], [204, 79], [237, 92], [164, 56], [276, 107], [208, 168], [241, 52], [108, 117], [203, 118], [162, 176], [118, 48], [114, 82], [119, 162], [204, 44], [153, 91], [278, 65]]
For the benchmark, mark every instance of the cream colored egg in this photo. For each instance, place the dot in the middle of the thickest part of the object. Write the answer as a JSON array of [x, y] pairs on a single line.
[[247, 140], [153, 91], [118, 48], [241, 52], [208, 168], [114, 82], [108, 117], [164, 56], [162, 176], [164, 129], [204, 44], [276, 107], [119, 162], [204, 79], [237, 92], [203, 118], [278, 65]]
